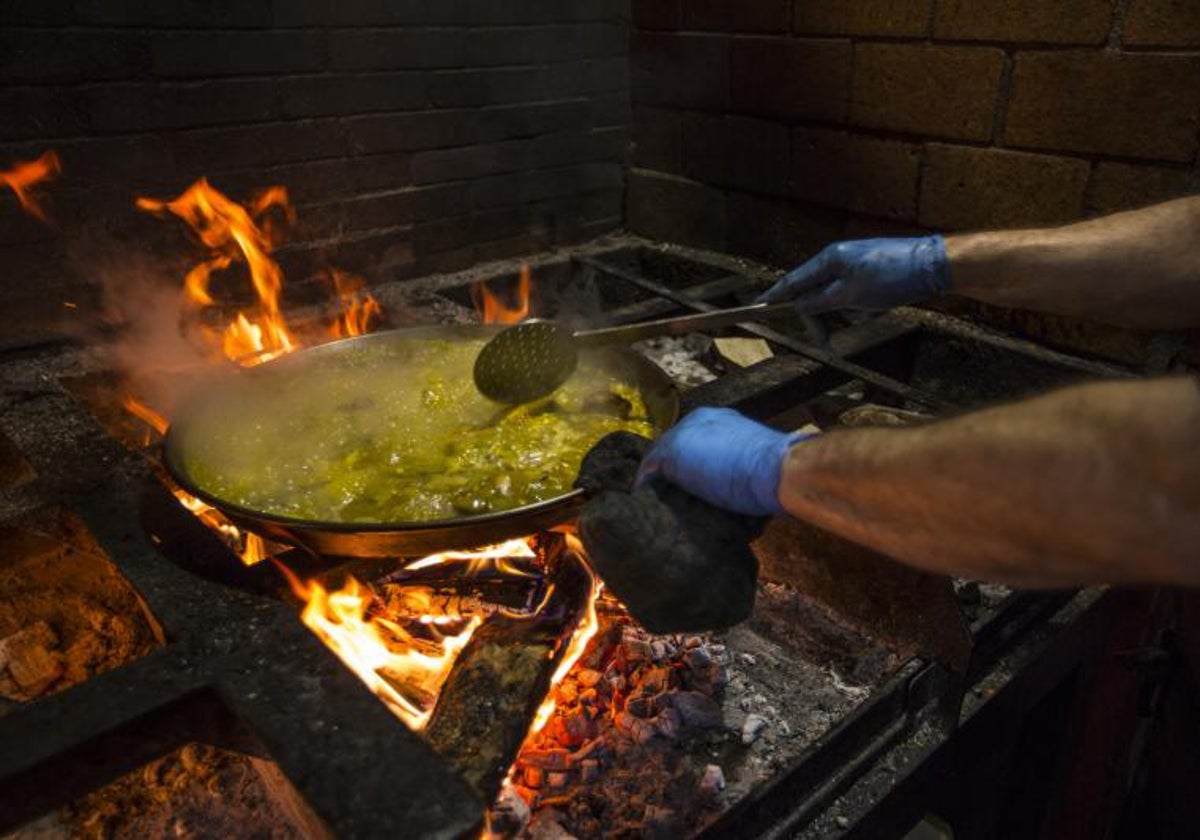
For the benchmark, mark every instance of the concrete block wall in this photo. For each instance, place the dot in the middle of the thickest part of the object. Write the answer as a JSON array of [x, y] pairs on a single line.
[[770, 127], [413, 135]]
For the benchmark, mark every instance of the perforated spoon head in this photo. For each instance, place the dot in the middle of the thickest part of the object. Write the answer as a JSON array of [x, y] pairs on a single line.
[[526, 361]]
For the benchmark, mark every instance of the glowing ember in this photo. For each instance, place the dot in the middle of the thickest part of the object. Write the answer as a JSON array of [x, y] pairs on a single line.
[[23, 176], [398, 665], [493, 310], [357, 309], [236, 234]]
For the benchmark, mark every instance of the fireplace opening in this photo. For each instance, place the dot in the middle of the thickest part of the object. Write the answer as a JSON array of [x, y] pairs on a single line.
[[197, 790], [66, 612]]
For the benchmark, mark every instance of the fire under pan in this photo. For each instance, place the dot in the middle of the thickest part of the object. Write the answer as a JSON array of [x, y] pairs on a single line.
[[836, 702]]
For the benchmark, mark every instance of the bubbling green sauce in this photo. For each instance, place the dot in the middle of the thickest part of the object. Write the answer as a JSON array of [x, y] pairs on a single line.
[[395, 431]]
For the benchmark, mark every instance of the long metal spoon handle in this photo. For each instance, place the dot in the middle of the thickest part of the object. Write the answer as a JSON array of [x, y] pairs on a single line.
[[680, 325]]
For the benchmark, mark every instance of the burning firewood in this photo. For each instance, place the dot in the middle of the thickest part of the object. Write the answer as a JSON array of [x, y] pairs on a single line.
[[492, 696]]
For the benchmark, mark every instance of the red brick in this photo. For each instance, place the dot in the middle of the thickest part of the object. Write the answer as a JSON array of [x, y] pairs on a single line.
[[1121, 186], [656, 139], [1060, 22], [1135, 105], [861, 17], [779, 232], [544, 184], [855, 172], [209, 54], [397, 49], [657, 14], [157, 106], [736, 152], [325, 95], [675, 210], [222, 14], [544, 44], [51, 55], [522, 120], [1162, 23], [871, 227], [968, 188], [326, 13], [681, 70], [791, 78], [740, 16], [39, 12], [942, 91]]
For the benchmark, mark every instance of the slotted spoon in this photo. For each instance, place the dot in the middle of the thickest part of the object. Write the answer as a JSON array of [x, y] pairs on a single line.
[[530, 359]]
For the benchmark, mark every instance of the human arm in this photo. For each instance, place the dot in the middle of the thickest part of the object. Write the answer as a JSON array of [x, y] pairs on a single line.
[[1095, 483], [1135, 269]]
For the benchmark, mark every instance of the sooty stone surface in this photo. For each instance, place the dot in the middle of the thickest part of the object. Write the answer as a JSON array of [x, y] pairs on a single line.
[[678, 563]]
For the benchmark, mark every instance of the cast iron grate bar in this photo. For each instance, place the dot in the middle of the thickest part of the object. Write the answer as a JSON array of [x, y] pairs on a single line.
[[870, 377]]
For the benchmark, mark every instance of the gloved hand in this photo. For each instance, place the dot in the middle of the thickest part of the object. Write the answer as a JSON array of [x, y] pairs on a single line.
[[724, 458], [866, 274]]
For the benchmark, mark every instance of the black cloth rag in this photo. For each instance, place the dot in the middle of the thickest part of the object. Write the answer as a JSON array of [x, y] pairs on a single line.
[[678, 563]]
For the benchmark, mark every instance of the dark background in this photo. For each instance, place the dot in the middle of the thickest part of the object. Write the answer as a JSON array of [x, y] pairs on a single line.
[[419, 136]]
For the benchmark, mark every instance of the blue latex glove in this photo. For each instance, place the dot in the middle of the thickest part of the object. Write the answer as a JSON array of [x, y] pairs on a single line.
[[866, 274], [724, 458]]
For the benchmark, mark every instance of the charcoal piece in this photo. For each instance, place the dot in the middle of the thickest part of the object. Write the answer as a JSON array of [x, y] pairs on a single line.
[[678, 563]]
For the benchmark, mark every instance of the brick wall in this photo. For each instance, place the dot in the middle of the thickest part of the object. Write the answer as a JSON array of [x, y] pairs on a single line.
[[414, 135], [770, 127]]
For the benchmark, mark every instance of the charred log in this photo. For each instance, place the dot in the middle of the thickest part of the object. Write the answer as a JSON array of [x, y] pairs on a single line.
[[499, 681]]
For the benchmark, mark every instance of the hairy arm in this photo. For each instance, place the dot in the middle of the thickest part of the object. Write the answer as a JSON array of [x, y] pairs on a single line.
[[1134, 269], [1095, 483]]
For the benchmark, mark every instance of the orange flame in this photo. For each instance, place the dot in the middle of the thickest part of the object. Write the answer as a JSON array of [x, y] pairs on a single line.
[[493, 310], [356, 309], [236, 234], [480, 559], [146, 414], [579, 641], [250, 547], [27, 174], [381, 652]]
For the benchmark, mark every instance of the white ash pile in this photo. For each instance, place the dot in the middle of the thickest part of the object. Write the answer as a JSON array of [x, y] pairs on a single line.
[[613, 758], [681, 357]]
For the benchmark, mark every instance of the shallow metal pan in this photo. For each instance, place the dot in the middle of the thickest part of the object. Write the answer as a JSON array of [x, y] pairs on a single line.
[[409, 539]]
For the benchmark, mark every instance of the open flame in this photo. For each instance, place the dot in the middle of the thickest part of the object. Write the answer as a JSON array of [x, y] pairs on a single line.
[[377, 649], [478, 560], [22, 177], [237, 234], [357, 310], [250, 547], [400, 667], [234, 235], [404, 663], [579, 641], [493, 309]]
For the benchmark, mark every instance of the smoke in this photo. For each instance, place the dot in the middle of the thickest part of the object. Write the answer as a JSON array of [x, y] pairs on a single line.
[[577, 301], [142, 333]]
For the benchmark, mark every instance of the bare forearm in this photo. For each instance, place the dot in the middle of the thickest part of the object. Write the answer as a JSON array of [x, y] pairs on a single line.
[[1136, 269], [1089, 484]]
